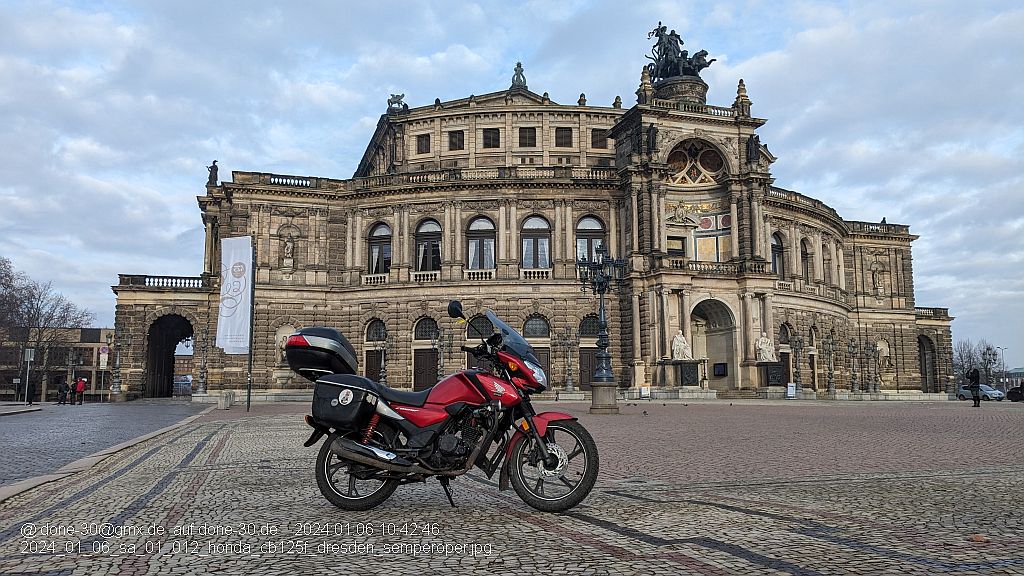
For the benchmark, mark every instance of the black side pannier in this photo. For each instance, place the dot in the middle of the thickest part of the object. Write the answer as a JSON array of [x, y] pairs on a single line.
[[317, 351], [343, 401]]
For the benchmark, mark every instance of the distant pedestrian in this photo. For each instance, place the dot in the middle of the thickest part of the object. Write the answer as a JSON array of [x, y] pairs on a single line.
[[30, 391], [62, 392], [80, 389], [974, 385]]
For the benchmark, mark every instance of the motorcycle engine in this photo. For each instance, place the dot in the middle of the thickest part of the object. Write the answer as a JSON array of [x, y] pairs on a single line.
[[453, 448]]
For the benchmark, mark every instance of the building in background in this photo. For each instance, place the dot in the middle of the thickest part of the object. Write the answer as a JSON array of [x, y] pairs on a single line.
[[66, 355], [492, 199]]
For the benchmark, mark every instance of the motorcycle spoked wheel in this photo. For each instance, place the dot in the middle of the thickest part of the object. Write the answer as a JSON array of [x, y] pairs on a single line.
[[339, 481], [569, 482]]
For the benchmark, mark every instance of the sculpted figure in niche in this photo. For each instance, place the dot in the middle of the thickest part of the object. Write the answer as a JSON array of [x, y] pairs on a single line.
[[765, 349], [681, 348], [289, 247]]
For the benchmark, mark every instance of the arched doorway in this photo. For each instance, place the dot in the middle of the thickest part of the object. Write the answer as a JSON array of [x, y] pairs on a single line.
[[161, 341], [713, 328], [926, 364]]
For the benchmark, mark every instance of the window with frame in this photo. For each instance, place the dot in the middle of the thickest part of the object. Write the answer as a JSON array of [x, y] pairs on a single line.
[[376, 331], [563, 137], [480, 240], [479, 327], [428, 246], [677, 246], [589, 236], [379, 247], [590, 327], [527, 137], [425, 329], [492, 138], [536, 240], [536, 327], [599, 138], [778, 257], [423, 143], [456, 140], [805, 261]]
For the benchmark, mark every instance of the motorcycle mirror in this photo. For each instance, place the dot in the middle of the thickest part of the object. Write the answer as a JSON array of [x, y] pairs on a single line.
[[455, 310]]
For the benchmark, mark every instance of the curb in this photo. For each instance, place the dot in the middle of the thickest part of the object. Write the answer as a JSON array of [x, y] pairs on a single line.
[[18, 411], [83, 464]]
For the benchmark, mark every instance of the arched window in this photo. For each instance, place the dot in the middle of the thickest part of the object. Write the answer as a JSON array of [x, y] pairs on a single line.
[[826, 259], [425, 329], [783, 334], [778, 257], [428, 246], [536, 239], [590, 326], [480, 238], [805, 261], [479, 327], [376, 331], [589, 235], [536, 327], [379, 244]]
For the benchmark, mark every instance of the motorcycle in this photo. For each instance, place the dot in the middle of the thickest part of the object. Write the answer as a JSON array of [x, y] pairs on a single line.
[[378, 438]]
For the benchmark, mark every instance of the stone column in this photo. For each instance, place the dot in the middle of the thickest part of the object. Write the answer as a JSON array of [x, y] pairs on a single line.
[[357, 242], [819, 258], [567, 244], [666, 334], [748, 326], [634, 224], [637, 353], [757, 228], [734, 227], [458, 234], [768, 317], [841, 266], [794, 250], [556, 233], [447, 234], [684, 316], [662, 228], [613, 233], [502, 235]]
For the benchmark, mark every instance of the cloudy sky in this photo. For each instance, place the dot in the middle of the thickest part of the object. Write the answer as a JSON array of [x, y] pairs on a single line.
[[110, 111]]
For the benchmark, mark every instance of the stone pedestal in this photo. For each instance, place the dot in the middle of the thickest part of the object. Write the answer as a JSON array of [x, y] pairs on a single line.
[[672, 373], [604, 399], [771, 374], [683, 89]]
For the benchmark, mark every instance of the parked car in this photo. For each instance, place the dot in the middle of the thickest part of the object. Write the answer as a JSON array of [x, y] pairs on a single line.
[[1015, 394], [987, 393]]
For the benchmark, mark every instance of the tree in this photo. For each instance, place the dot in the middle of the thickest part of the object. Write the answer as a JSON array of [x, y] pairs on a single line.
[[966, 355], [13, 285]]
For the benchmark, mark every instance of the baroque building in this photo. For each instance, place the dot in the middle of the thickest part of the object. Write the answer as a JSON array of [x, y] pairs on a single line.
[[493, 198]]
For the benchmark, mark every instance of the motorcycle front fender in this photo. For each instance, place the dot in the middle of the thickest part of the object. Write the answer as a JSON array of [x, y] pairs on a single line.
[[541, 422]]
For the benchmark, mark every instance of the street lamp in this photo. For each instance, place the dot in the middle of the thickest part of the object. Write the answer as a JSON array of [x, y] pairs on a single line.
[[384, 344], [797, 344], [568, 341], [602, 275], [1002, 366], [441, 341], [851, 350], [830, 348], [988, 358]]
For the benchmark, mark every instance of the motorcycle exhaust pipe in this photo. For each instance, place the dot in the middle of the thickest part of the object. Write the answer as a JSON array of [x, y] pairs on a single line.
[[356, 452]]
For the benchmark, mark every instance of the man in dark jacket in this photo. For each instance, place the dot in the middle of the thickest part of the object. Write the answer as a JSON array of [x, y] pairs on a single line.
[[62, 392], [974, 385]]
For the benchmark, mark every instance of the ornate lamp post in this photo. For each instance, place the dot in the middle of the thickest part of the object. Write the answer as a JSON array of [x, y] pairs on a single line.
[[830, 348], [797, 344], [1002, 367], [568, 341], [988, 358], [851, 350], [441, 341], [384, 345], [602, 275]]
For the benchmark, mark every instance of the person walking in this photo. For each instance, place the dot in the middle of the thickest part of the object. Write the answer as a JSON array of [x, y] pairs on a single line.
[[80, 389], [62, 392], [974, 385]]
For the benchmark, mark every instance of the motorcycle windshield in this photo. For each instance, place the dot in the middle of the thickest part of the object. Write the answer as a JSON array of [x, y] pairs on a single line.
[[513, 340]]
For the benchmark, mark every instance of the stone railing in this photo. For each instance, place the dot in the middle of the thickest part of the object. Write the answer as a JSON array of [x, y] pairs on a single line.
[[783, 285], [422, 277], [279, 180], [936, 313], [375, 279], [797, 199], [695, 108], [163, 281], [498, 173], [478, 275], [878, 228], [716, 268], [535, 273]]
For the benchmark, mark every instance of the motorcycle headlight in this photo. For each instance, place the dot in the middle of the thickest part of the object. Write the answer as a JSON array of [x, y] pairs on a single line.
[[538, 374]]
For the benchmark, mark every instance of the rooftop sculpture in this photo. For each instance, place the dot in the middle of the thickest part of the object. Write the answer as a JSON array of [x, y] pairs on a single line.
[[670, 60]]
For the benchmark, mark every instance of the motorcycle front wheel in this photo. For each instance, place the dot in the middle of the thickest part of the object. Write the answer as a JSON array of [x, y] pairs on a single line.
[[569, 482], [349, 485]]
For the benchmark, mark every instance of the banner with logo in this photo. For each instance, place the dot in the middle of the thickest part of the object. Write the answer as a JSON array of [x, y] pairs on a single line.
[[233, 319]]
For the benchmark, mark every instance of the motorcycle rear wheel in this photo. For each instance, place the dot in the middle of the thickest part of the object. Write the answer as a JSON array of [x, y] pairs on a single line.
[[569, 482], [334, 477]]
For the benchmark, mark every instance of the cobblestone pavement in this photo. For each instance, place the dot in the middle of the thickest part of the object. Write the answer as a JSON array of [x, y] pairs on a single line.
[[709, 488], [40, 442]]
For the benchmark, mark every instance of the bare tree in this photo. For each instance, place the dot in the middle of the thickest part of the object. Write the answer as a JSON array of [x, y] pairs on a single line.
[[966, 355], [13, 285]]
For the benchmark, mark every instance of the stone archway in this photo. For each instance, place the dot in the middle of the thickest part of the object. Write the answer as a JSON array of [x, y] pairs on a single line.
[[162, 338], [926, 358], [713, 327]]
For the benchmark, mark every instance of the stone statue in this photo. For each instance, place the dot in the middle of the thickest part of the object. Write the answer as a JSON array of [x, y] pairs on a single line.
[[753, 149], [669, 59], [212, 180], [395, 101], [618, 102], [765, 349], [519, 79], [681, 348], [289, 247], [652, 138]]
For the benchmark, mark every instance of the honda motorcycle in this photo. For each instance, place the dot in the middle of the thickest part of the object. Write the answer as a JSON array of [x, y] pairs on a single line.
[[378, 438]]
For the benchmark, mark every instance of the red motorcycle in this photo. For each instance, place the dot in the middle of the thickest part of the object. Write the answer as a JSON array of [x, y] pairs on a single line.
[[379, 438]]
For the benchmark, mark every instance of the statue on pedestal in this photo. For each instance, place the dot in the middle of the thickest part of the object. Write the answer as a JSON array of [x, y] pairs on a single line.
[[681, 348], [765, 349]]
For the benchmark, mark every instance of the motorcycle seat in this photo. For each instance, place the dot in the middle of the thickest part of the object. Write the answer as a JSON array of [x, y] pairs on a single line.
[[390, 394]]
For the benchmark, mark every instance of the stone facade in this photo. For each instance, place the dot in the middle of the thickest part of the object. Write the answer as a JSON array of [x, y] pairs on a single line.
[[491, 199]]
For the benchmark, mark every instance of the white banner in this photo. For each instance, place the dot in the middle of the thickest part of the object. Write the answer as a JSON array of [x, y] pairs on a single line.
[[235, 295]]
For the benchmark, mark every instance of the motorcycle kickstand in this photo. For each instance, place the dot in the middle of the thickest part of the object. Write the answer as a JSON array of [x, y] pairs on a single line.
[[446, 484]]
